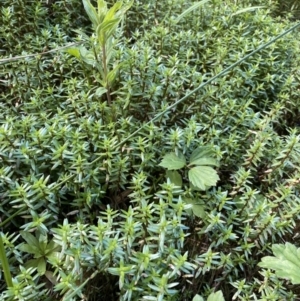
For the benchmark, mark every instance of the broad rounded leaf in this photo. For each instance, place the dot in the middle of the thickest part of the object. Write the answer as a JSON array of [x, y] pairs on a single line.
[[286, 262], [174, 177], [218, 296], [198, 298], [172, 161], [197, 207], [202, 176]]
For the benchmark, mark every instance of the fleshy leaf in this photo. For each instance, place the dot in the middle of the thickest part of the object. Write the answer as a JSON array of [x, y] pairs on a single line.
[[174, 177], [202, 176], [286, 262], [172, 161], [218, 296]]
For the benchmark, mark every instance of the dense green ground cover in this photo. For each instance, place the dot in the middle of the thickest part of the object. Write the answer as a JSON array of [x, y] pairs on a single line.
[[88, 212]]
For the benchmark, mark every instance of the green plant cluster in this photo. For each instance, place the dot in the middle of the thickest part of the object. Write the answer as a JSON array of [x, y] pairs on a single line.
[[109, 194]]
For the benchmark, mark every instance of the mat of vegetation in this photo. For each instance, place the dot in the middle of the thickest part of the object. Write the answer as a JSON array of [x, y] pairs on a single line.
[[113, 189]]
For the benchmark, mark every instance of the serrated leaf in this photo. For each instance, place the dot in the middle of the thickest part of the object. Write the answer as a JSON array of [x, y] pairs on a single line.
[[204, 161], [174, 177], [200, 152], [286, 262], [198, 298], [218, 296], [202, 176], [172, 161], [197, 207]]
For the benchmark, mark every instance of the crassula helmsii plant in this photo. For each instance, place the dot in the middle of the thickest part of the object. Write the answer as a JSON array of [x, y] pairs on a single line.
[[104, 216]]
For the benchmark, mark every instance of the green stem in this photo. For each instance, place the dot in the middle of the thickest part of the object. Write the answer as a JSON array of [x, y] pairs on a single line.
[[105, 75], [11, 217], [5, 264]]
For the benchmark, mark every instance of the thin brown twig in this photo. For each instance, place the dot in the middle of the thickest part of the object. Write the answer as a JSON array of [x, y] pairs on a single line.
[[15, 58]]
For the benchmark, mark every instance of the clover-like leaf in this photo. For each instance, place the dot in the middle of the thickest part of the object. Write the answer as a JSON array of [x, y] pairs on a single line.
[[286, 262], [203, 177], [172, 161]]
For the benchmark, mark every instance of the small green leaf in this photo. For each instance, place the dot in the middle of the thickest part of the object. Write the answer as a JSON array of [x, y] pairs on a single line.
[[197, 207], [30, 249], [51, 248], [106, 29], [100, 91], [202, 176], [172, 161], [91, 12], [74, 51], [87, 56], [218, 296], [41, 266], [286, 262], [110, 15], [198, 298], [174, 177], [111, 76], [30, 239], [102, 10]]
